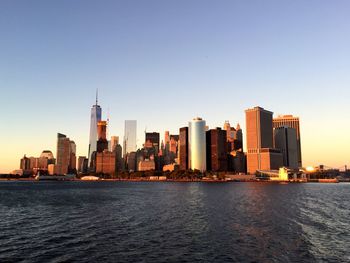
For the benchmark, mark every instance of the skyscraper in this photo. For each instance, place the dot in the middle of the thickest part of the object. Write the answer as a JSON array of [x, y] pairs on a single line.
[[293, 122], [216, 142], [114, 143], [261, 154], [102, 143], [130, 136], [152, 140], [63, 153], [197, 144], [183, 149], [96, 115], [285, 139]]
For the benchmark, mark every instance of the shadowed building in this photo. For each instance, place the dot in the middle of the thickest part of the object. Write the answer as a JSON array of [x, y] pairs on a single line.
[[261, 155], [102, 143], [183, 148], [216, 143], [292, 122], [105, 162], [82, 164], [286, 142], [63, 153], [152, 140]]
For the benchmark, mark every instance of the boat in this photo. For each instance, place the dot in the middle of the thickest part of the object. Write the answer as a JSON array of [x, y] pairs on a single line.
[[66, 177]]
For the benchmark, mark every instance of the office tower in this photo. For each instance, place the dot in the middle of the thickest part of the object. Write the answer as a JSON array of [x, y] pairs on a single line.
[[63, 153], [292, 122], [183, 149], [131, 161], [261, 155], [173, 144], [25, 163], [166, 137], [102, 143], [152, 140], [73, 157], [114, 143], [286, 141], [96, 115], [197, 144], [130, 136], [82, 164], [216, 143], [105, 162]]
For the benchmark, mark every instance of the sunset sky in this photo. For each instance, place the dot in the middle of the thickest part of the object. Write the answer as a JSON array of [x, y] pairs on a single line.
[[165, 62]]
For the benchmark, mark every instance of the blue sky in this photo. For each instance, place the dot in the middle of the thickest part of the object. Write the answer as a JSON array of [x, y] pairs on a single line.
[[164, 62]]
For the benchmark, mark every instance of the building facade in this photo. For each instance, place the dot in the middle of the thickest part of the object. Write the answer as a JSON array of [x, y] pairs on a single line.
[[130, 144], [260, 152], [292, 122], [197, 144], [183, 149], [96, 115], [216, 142], [286, 141]]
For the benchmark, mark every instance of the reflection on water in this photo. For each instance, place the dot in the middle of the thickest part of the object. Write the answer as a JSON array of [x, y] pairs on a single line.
[[157, 222]]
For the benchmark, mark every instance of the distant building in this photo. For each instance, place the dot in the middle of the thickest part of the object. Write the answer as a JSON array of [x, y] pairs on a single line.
[[82, 164], [129, 137], [261, 155], [152, 140], [173, 144], [105, 162], [131, 161], [96, 115], [286, 141], [114, 143], [102, 143], [63, 153], [49, 155], [197, 144], [25, 163], [73, 158], [183, 149], [216, 150], [292, 122], [146, 165]]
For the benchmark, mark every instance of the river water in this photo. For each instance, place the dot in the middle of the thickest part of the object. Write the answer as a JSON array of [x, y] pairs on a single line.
[[173, 222]]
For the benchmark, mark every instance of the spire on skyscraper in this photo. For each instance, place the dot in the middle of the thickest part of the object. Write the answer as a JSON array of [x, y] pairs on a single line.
[[96, 96]]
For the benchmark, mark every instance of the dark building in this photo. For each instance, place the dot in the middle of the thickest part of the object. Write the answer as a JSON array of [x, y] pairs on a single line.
[[152, 140], [102, 143], [183, 149], [216, 150]]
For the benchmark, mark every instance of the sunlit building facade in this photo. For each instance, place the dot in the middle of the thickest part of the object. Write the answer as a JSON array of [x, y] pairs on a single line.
[[197, 144], [130, 144], [96, 115]]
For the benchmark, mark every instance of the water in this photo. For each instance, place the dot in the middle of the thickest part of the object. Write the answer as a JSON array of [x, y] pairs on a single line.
[[172, 222]]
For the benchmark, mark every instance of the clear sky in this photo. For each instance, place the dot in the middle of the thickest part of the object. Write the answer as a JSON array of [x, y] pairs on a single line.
[[165, 62]]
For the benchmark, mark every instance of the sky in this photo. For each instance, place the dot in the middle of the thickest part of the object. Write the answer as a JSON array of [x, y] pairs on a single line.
[[164, 62]]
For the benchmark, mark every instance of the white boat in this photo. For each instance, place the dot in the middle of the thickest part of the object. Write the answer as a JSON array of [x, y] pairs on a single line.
[[67, 177]]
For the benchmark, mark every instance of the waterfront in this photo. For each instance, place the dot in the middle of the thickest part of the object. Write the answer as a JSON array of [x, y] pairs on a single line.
[[158, 222]]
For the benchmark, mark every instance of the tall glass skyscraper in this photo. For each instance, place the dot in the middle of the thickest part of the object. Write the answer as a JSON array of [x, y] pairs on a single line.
[[197, 144], [96, 115], [130, 136]]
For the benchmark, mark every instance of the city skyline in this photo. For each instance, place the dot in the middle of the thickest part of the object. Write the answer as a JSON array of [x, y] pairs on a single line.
[[164, 63]]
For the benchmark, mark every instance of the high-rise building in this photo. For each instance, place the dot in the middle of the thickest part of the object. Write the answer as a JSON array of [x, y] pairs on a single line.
[[105, 162], [216, 141], [114, 143], [130, 137], [166, 137], [63, 153], [183, 149], [73, 158], [261, 154], [102, 143], [152, 140], [197, 144], [96, 115], [286, 141], [82, 164], [292, 122], [25, 163], [173, 144]]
